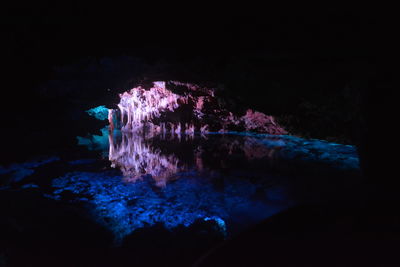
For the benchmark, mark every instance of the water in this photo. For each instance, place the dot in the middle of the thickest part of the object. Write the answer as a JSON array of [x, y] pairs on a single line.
[[215, 184]]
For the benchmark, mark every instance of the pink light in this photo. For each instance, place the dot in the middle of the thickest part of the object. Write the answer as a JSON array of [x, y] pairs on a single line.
[[135, 158], [143, 109]]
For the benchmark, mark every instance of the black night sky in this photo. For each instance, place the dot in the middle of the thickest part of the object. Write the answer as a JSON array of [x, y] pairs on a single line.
[[317, 71]]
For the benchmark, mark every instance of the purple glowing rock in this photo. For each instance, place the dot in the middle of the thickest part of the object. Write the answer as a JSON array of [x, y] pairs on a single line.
[[176, 107]]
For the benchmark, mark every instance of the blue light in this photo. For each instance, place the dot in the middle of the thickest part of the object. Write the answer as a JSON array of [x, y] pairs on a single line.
[[100, 112], [19, 171], [126, 207]]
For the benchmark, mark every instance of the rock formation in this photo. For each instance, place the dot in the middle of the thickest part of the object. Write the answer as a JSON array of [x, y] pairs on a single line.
[[176, 107]]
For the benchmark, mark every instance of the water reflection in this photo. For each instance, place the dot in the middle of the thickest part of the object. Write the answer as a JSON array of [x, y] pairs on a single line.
[[233, 180], [136, 158], [162, 156]]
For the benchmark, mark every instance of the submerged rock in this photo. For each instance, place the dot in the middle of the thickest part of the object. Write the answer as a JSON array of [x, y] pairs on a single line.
[[18, 171], [125, 207]]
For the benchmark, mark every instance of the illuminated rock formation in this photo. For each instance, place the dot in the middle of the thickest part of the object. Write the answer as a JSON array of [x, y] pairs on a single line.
[[176, 107]]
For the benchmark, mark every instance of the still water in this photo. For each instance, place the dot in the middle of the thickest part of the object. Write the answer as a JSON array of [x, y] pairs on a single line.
[[224, 182]]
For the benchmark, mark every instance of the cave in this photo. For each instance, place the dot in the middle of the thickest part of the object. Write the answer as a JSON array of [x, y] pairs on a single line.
[[233, 136]]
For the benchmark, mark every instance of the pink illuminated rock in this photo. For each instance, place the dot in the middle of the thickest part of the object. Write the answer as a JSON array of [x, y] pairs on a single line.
[[259, 122], [176, 107]]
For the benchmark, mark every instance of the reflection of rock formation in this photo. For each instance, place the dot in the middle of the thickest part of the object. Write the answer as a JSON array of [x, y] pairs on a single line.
[[137, 155], [135, 158], [164, 155], [176, 107], [253, 149]]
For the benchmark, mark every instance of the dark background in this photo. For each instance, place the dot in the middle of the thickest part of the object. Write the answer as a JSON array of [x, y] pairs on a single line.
[[314, 68], [324, 72]]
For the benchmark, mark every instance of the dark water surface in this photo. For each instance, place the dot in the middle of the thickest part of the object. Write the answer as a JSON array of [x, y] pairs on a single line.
[[134, 199]]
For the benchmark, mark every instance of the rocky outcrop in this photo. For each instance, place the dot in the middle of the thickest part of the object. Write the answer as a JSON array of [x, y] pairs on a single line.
[[176, 107]]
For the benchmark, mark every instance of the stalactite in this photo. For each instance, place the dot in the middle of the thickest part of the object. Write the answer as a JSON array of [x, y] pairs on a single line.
[[111, 119], [141, 109]]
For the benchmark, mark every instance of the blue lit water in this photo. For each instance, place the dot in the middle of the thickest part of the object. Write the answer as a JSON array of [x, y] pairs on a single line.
[[231, 181]]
